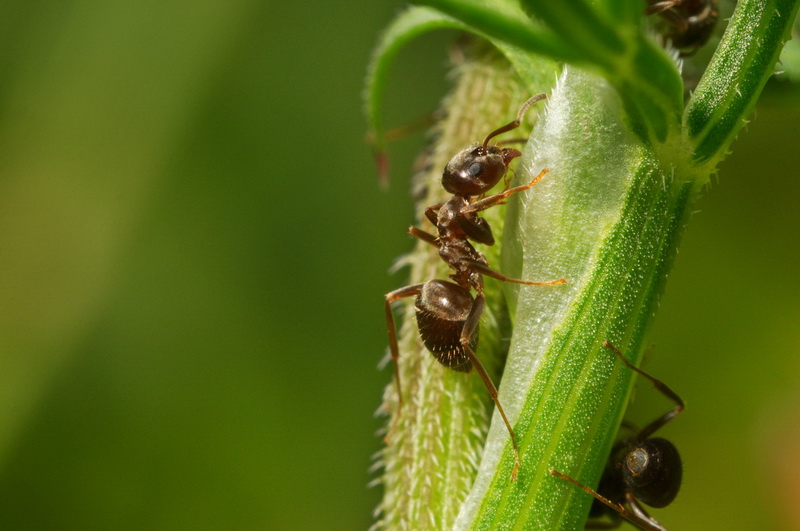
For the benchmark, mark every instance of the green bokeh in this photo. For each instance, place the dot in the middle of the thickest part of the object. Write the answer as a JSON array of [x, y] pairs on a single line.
[[194, 249]]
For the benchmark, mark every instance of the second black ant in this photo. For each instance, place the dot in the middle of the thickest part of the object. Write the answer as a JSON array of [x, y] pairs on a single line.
[[640, 468], [691, 22], [447, 314]]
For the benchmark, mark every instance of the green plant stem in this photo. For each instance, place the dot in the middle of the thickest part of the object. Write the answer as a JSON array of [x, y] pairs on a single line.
[[609, 219], [741, 66]]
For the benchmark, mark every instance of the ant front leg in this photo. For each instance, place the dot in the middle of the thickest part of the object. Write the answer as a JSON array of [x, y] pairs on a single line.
[[470, 325], [484, 269], [432, 213], [492, 200], [408, 291], [632, 517]]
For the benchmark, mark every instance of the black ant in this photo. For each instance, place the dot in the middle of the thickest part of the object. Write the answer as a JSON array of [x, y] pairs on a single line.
[[639, 469], [447, 314], [691, 22]]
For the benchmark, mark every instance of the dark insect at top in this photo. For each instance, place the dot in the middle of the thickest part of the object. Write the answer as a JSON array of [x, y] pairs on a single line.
[[688, 23]]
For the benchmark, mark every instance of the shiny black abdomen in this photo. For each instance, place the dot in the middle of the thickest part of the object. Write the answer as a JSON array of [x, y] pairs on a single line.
[[442, 310]]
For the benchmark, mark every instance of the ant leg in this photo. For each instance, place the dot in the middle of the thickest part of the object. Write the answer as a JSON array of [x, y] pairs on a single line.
[[661, 386], [659, 7], [616, 506], [513, 125], [432, 213], [402, 131], [625, 513], [630, 426], [423, 235], [484, 269], [466, 334], [492, 200], [378, 142], [639, 511], [674, 18], [408, 291]]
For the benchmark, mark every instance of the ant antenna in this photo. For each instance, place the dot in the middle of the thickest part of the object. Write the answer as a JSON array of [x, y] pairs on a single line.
[[515, 123]]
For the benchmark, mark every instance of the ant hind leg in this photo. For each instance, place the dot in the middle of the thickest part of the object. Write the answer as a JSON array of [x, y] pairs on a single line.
[[408, 291], [470, 325]]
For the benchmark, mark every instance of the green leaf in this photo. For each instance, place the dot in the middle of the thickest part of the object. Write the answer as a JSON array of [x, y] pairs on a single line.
[[585, 29], [503, 22], [406, 27], [576, 33], [415, 22]]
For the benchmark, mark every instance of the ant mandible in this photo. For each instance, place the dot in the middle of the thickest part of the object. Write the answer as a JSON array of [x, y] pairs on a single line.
[[447, 314], [639, 469], [691, 21]]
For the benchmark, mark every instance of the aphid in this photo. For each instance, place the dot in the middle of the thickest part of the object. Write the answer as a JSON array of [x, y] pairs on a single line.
[[447, 313], [640, 469], [690, 23]]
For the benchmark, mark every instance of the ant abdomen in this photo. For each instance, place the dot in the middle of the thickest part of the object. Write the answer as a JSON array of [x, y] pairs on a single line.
[[442, 309], [653, 472]]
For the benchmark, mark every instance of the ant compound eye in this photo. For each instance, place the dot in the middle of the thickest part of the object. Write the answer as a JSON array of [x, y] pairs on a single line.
[[476, 168]]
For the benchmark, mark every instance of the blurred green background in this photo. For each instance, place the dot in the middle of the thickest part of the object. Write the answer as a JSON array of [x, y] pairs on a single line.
[[194, 251]]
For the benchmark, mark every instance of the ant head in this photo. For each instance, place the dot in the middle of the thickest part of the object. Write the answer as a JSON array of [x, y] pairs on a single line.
[[653, 471], [475, 170]]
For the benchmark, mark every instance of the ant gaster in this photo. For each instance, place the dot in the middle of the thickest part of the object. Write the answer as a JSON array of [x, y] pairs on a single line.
[[639, 468], [447, 313], [691, 22]]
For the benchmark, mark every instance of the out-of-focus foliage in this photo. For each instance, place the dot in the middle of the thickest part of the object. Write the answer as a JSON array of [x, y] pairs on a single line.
[[193, 253], [192, 261], [789, 64]]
